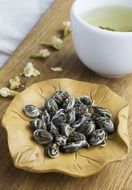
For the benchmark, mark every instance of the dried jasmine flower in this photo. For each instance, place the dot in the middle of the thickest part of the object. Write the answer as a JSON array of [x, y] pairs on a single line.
[[66, 28], [56, 42], [56, 69], [43, 53], [29, 70], [15, 83], [6, 92], [22, 86]]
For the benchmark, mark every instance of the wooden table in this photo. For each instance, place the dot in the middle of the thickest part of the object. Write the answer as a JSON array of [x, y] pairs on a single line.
[[116, 176]]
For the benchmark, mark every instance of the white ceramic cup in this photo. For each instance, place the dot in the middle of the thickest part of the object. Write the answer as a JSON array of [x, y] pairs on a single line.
[[105, 52]]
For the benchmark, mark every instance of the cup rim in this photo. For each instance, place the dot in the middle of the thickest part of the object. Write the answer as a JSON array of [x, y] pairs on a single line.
[[92, 27]]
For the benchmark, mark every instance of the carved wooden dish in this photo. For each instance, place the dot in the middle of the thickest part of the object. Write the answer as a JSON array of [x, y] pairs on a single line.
[[29, 155]]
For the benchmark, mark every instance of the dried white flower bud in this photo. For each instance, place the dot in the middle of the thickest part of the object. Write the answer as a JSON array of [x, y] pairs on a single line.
[[6, 92], [43, 53], [15, 83], [66, 28], [56, 42], [29, 70], [56, 69]]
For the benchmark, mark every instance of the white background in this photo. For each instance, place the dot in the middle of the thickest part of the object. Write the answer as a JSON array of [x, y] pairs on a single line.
[[17, 18]]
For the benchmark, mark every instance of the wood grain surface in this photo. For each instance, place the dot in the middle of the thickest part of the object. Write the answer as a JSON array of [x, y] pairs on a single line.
[[116, 176]]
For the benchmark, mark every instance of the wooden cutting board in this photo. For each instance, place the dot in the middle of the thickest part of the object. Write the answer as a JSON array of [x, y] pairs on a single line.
[[116, 176]]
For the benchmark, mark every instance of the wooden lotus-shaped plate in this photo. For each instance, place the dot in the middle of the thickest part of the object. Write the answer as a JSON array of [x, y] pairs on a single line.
[[30, 156]]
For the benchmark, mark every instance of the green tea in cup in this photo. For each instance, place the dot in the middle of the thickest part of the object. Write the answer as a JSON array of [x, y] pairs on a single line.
[[110, 18]]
